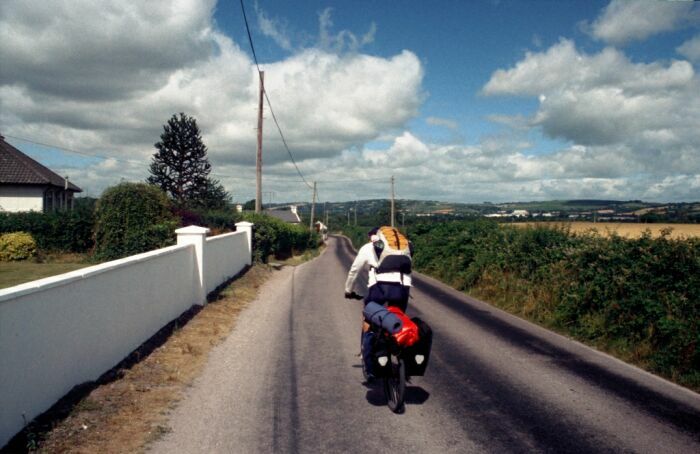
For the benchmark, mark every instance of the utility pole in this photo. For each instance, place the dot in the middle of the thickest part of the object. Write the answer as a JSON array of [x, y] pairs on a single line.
[[392, 201], [355, 213], [325, 212], [313, 207], [258, 166]]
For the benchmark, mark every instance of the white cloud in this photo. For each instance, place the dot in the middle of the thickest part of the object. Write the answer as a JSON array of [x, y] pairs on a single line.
[[444, 122], [273, 29], [623, 21], [691, 49], [344, 40], [630, 125], [607, 101], [106, 86]]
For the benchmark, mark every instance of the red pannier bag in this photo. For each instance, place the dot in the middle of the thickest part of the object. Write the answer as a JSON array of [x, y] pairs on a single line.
[[408, 334]]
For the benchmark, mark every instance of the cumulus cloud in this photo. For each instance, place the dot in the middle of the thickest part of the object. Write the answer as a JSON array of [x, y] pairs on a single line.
[[629, 124], [606, 100], [623, 21], [691, 49], [495, 170], [106, 86]]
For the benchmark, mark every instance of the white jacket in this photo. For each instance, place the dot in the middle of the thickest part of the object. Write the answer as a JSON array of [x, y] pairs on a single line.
[[367, 260]]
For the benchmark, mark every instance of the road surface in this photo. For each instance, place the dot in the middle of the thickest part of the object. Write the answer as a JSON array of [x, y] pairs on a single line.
[[288, 379]]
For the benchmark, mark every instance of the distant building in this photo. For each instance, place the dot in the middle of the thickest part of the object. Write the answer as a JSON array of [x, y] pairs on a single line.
[[520, 213], [26, 185], [322, 229], [287, 214]]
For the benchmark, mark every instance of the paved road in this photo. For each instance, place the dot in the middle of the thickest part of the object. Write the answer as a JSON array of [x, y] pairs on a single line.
[[288, 379]]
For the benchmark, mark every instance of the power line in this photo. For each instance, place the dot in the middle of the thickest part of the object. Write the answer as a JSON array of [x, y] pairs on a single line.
[[70, 150], [267, 98]]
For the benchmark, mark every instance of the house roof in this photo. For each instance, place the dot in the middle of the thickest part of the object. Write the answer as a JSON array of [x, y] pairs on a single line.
[[284, 215], [18, 168]]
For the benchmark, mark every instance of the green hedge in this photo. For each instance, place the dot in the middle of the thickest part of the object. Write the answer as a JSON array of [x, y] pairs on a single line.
[[639, 298], [68, 231], [132, 218], [273, 237]]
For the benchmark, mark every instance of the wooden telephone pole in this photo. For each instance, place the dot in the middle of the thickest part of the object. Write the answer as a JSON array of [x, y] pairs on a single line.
[[392, 201], [313, 207], [258, 161]]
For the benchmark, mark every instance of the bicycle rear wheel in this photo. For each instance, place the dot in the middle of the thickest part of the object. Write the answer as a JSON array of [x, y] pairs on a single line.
[[395, 385]]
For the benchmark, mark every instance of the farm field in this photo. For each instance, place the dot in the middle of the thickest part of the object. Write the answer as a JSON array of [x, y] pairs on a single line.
[[624, 229]]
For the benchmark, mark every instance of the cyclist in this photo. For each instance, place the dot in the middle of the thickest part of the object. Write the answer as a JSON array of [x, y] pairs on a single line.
[[390, 288]]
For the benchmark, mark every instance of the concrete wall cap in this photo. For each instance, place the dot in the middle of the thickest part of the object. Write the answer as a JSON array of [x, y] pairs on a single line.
[[192, 230], [244, 224]]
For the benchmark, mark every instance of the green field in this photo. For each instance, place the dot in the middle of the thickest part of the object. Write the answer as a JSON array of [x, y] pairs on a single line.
[[20, 272]]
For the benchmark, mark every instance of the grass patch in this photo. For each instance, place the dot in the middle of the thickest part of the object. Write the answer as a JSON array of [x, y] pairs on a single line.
[[20, 272]]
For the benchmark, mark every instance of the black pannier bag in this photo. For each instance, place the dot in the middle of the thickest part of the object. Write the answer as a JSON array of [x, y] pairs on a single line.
[[416, 356], [379, 350]]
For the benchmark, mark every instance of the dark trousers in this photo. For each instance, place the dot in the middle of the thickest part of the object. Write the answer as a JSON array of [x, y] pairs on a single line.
[[389, 293]]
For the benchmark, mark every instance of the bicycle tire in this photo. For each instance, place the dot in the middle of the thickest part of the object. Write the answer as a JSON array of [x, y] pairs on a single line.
[[395, 385]]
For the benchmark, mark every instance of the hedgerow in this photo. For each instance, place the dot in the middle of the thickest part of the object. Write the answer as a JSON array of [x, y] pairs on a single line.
[[273, 237], [639, 298], [63, 231]]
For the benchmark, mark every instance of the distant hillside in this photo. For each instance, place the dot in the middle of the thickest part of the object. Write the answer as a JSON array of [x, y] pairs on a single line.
[[376, 211]]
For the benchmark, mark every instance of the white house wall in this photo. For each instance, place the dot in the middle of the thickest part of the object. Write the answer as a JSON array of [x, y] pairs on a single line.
[[21, 198]]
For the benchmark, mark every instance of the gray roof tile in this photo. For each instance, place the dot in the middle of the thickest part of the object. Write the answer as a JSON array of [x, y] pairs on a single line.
[[18, 168]]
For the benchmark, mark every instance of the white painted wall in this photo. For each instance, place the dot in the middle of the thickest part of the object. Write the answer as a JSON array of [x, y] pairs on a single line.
[[58, 332], [219, 262], [21, 198]]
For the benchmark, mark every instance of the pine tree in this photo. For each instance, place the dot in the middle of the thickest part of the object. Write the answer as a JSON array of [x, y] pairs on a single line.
[[180, 166]]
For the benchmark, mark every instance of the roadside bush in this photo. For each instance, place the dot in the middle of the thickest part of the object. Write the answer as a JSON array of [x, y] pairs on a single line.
[[63, 231], [17, 246], [639, 298], [132, 218], [273, 237]]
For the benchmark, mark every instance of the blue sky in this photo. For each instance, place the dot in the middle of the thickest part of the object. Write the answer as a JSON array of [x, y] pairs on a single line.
[[460, 100]]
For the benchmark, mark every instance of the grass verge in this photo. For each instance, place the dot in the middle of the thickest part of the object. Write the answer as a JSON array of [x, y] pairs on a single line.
[[128, 407], [19, 272]]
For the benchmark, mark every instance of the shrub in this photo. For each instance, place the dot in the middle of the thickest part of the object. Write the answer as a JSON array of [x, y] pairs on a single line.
[[132, 218], [17, 246], [273, 237], [64, 231]]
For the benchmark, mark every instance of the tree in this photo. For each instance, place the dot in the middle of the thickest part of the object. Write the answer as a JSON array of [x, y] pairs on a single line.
[[181, 167], [249, 205], [214, 196]]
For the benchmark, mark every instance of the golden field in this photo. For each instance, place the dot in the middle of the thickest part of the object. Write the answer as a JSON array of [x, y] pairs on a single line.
[[624, 229]]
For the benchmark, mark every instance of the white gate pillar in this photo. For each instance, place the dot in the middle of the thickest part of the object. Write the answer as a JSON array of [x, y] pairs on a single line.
[[247, 227], [196, 236]]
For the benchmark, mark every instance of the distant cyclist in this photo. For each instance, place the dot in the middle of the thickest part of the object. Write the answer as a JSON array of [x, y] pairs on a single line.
[[386, 258]]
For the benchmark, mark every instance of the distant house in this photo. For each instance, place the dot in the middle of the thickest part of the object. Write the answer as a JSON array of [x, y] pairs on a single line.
[[26, 185], [287, 214]]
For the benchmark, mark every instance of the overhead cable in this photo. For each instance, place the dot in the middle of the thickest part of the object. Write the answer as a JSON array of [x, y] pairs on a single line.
[[269, 104]]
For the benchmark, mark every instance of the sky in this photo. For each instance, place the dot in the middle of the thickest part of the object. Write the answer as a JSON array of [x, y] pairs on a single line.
[[460, 101]]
